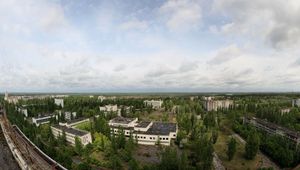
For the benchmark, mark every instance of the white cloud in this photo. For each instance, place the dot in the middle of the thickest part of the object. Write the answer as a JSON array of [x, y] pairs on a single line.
[[275, 22], [181, 15], [134, 24]]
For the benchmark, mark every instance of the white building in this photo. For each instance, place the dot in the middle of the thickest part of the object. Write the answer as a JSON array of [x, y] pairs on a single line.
[[296, 102], [109, 108], [71, 133], [59, 102], [146, 133], [214, 105], [70, 115], [155, 104], [101, 98], [284, 111], [43, 119], [23, 111]]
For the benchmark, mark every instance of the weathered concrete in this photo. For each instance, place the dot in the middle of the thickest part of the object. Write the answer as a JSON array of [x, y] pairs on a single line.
[[7, 160]]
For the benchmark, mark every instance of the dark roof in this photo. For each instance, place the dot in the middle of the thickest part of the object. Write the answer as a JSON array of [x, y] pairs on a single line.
[[43, 120], [160, 128], [277, 127], [73, 131], [76, 120], [122, 120], [143, 124]]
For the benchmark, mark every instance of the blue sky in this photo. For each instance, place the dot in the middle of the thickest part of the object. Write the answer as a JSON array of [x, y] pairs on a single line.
[[142, 45]]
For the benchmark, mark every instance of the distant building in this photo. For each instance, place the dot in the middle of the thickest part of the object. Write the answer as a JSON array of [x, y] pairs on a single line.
[[43, 119], [273, 128], [155, 104], [23, 111], [59, 102], [101, 98], [109, 108], [146, 132], [296, 102], [284, 111], [6, 96], [71, 133], [213, 105], [70, 115]]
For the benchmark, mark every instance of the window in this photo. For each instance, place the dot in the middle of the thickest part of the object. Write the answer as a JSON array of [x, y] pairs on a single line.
[[174, 135], [163, 138], [159, 138], [150, 137], [167, 138], [144, 137]]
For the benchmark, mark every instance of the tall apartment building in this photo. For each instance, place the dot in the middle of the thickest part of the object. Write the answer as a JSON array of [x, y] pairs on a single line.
[[155, 104], [71, 133], [296, 102], [146, 132], [59, 102], [213, 105]]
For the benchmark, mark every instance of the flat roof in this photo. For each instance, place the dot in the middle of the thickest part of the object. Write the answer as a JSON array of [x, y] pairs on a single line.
[[161, 128], [122, 120], [73, 131], [77, 120], [143, 124]]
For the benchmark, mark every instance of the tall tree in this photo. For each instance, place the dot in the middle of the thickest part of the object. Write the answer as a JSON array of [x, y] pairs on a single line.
[[231, 148], [252, 145]]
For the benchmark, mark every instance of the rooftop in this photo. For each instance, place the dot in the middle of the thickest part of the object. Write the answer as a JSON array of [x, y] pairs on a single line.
[[160, 128], [73, 131], [143, 124], [122, 120]]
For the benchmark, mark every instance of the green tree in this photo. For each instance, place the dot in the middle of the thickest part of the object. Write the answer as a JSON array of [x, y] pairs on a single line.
[[183, 163], [214, 136], [78, 146], [231, 148], [252, 145], [133, 165]]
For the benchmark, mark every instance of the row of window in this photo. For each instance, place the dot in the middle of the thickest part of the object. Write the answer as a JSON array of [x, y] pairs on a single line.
[[144, 137]]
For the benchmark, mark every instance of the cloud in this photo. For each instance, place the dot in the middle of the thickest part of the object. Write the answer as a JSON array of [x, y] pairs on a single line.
[[181, 15], [134, 24], [275, 22], [225, 54]]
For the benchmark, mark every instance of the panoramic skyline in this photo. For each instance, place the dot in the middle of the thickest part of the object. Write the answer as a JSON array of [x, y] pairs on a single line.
[[149, 46]]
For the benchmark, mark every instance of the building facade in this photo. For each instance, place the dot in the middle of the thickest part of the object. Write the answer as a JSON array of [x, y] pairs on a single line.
[[214, 105], [43, 119], [71, 133], [155, 104], [59, 102], [145, 132]]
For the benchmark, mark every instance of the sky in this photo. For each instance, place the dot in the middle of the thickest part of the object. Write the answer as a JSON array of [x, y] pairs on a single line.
[[149, 45]]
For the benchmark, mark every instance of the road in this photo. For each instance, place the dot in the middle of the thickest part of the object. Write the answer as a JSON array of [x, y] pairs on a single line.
[[217, 162]]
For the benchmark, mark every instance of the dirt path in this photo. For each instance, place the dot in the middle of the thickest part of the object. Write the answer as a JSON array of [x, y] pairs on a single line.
[[217, 162]]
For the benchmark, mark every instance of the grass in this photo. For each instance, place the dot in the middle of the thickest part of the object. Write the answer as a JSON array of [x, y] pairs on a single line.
[[84, 126]]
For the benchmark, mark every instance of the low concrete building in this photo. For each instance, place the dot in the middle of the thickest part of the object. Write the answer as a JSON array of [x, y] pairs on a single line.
[[109, 108], [146, 132], [59, 102], [71, 133], [155, 104], [273, 129], [43, 119]]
